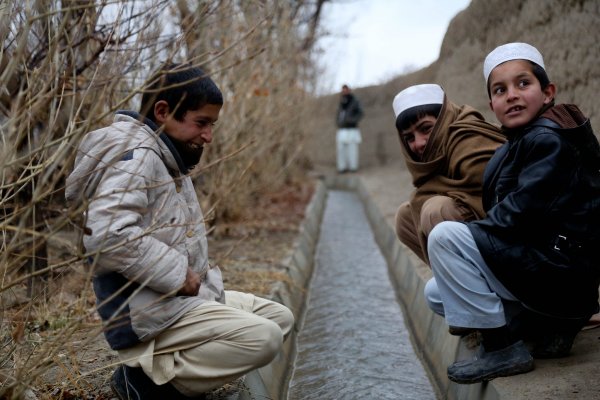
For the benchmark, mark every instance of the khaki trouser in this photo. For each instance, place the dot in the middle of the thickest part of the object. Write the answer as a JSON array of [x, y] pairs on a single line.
[[435, 210], [214, 343]]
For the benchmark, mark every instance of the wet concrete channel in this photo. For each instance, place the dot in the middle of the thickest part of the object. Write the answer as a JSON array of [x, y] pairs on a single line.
[[353, 342]]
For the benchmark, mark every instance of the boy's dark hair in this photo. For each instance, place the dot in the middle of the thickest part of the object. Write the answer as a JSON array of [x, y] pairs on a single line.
[[408, 117], [183, 87], [538, 72]]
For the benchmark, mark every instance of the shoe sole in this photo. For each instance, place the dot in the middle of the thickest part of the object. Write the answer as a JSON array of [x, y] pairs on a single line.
[[521, 369]]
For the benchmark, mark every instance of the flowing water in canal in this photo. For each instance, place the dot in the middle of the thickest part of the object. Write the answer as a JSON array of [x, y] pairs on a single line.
[[353, 343]]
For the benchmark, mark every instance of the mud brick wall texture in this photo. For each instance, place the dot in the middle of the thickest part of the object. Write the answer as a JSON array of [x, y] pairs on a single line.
[[565, 31]]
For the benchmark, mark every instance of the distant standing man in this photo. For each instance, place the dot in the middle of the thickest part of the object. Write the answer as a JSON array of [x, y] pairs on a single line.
[[348, 135]]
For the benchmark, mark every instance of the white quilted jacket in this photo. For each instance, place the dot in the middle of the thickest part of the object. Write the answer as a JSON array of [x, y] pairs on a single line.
[[146, 224]]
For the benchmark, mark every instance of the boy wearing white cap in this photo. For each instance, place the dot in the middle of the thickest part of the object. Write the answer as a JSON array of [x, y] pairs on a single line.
[[535, 249], [446, 148]]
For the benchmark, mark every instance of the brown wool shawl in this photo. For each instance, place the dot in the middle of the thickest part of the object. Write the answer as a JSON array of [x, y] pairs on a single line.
[[459, 147]]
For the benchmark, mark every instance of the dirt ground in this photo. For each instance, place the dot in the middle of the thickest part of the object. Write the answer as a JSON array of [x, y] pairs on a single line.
[[57, 343]]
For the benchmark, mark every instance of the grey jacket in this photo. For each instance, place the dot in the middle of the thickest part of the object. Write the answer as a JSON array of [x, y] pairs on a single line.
[[146, 229]]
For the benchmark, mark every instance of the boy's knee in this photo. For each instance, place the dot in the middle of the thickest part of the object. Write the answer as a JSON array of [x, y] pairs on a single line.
[[287, 321], [430, 289], [432, 296], [280, 314], [403, 219], [438, 209], [270, 338], [440, 234]]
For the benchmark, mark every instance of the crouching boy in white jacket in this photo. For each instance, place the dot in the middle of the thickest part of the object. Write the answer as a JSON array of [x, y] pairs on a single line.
[[177, 331]]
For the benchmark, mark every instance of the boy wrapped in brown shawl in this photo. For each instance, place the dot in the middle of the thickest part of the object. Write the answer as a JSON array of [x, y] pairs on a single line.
[[459, 147]]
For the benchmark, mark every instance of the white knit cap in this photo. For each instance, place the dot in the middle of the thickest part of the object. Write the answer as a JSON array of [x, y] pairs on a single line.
[[508, 52], [417, 95]]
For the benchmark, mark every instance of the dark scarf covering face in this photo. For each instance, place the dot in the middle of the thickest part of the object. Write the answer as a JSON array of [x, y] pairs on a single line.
[[189, 155], [186, 156], [459, 147]]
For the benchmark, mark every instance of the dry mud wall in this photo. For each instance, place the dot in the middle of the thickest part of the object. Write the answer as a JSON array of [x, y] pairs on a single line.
[[565, 31]]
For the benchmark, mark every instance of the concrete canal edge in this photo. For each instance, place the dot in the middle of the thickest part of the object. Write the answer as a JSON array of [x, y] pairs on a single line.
[[432, 343], [429, 333], [271, 381]]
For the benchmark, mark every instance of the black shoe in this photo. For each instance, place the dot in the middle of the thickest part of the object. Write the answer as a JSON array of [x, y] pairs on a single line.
[[460, 331], [511, 360], [554, 345], [133, 384]]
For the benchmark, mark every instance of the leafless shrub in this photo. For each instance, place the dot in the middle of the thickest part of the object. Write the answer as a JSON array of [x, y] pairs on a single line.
[[65, 67]]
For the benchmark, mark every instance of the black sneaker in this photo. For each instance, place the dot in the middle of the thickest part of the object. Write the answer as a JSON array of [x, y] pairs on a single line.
[[511, 360], [133, 384]]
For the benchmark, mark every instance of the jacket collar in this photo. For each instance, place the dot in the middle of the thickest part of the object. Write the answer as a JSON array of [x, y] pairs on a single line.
[[163, 136]]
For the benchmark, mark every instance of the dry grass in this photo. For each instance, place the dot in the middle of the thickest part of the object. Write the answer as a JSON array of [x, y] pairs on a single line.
[[65, 67], [79, 362]]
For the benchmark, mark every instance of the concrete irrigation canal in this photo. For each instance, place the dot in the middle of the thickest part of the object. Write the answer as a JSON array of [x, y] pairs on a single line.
[[351, 339], [348, 279], [353, 343]]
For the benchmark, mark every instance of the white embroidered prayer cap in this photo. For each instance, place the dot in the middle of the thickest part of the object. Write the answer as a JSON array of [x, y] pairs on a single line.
[[417, 95], [508, 52]]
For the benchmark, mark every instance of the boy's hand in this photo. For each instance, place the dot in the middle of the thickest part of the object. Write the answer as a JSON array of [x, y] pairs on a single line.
[[191, 286]]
